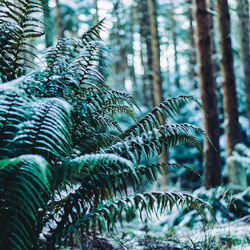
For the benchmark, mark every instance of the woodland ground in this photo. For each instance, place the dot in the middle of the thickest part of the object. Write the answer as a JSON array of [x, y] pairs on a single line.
[[155, 236]]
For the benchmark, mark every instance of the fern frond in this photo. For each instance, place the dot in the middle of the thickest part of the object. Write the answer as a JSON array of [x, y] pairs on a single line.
[[150, 142], [24, 188], [18, 24], [156, 116], [106, 214], [47, 132], [93, 32]]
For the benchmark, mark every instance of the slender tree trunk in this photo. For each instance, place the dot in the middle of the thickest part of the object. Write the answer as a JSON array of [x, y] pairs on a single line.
[[147, 61], [208, 95], [174, 38], [96, 17], [232, 127], [157, 78], [192, 47], [230, 103], [243, 10], [211, 6], [60, 32], [121, 60], [47, 24]]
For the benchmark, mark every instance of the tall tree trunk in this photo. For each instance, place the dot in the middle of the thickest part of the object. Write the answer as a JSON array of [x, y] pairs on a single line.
[[143, 17], [174, 38], [208, 95], [243, 10], [121, 59], [232, 127], [157, 78], [230, 103], [192, 48], [96, 17], [60, 31], [211, 6], [47, 24]]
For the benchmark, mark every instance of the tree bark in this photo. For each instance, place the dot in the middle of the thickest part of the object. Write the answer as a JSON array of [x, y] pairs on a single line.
[[192, 47], [208, 96], [230, 102], [243, 11]]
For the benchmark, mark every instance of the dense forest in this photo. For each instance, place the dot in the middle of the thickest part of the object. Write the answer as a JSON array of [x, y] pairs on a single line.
[[124, 124]]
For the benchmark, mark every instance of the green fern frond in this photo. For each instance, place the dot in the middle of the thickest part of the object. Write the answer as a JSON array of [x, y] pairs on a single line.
[[24, 188], [47, 132], [150, 142], [14, 46], [106, 215], [156, 117], [93, 32]]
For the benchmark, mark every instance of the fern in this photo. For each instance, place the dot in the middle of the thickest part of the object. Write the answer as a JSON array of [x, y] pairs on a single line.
[[18, 24], [24, 188], [66, 164]]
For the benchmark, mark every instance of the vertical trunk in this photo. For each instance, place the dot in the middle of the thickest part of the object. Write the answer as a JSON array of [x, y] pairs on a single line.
[[208, 95], [243, 10], [47, 24], [211, 6], [96, 18], [121, 61], [147, 61], [192, 49], [230, 103], [157, 78], [60, 33], [174, 38]]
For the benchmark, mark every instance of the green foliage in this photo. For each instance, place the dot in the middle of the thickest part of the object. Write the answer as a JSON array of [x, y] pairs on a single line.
[[66, 165]]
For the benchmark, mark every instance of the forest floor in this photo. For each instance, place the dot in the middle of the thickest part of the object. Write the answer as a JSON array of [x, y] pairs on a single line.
[[233, 235]]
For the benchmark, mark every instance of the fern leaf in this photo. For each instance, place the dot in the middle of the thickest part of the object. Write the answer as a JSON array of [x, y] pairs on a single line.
[[24, 186]]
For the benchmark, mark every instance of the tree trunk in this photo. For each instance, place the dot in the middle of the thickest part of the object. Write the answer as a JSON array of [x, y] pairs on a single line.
[[143, 16], [174, 39], [120, 65], [211, 6], [243, 11], [230, 103], [192, 47], [157, 78], [208, 95], [47, 24], [96, 17], [60, 32]]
